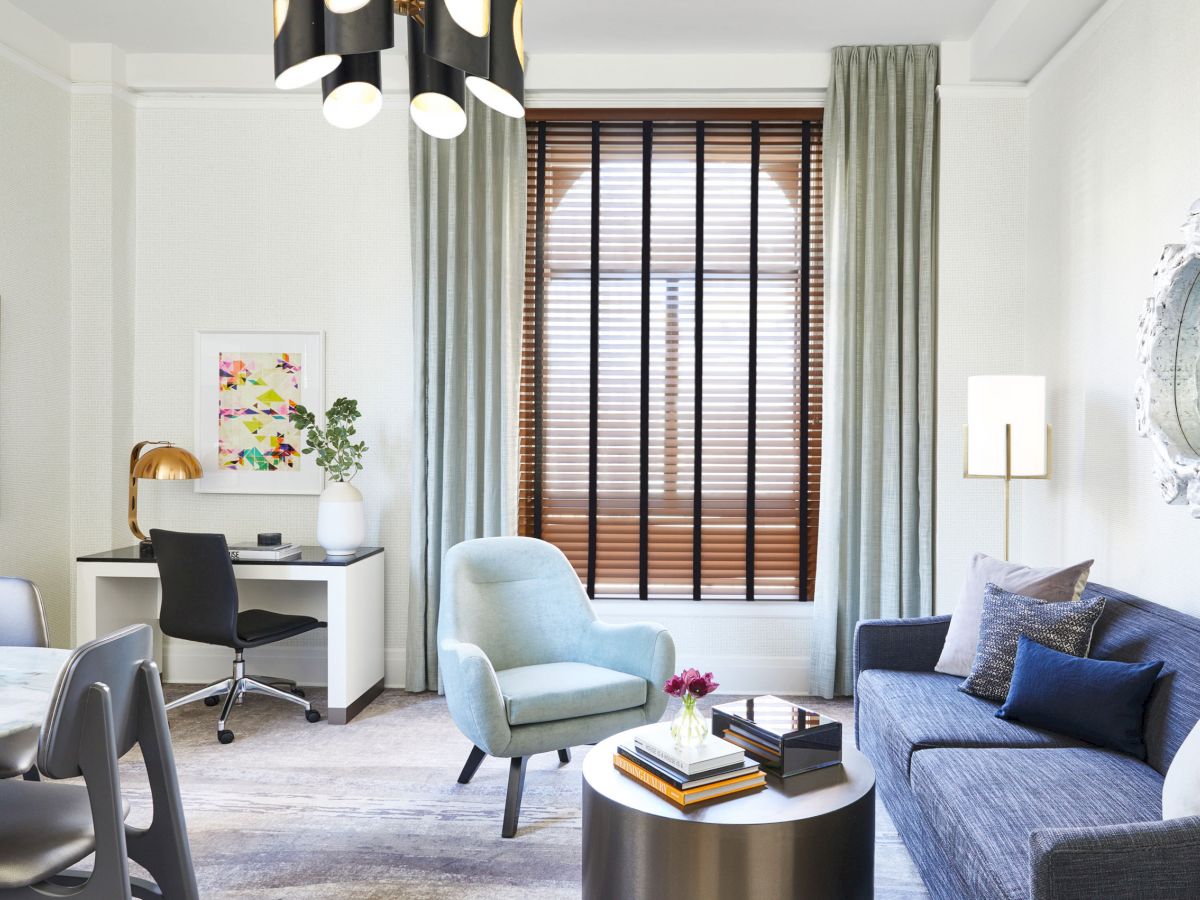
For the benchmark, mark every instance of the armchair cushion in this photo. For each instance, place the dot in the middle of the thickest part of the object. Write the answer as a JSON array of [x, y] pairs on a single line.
[[566, 690]]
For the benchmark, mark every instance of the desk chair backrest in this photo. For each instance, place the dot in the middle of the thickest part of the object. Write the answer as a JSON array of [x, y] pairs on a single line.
[[199, 592], [517, 598], [22, 616]]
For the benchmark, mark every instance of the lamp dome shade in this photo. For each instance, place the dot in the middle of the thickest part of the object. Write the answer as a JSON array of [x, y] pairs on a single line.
[[300, 56], [437, 91], [353, 91], [995, 402], [169, 463], [504, 88], [345, 6]]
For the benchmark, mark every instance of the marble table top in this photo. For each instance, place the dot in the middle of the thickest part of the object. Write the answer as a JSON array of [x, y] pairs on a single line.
[[27, 679]]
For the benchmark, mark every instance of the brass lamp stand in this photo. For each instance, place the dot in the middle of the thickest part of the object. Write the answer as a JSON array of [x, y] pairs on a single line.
[[1008, 476], [165, 462]]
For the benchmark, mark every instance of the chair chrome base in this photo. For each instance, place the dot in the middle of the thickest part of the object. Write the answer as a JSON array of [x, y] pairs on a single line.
[[237, 686]]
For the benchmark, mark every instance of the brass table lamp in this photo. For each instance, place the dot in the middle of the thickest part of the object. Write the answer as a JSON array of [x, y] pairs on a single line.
[[1006, 435], [165, 462]]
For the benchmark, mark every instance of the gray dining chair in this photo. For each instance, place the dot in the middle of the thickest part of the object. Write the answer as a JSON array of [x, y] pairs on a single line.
[[22, 624], [526, 665], [108, 698]]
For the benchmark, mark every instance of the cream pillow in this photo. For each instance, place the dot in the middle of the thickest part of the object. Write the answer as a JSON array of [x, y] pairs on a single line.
[[1181, 787], [958, 653]]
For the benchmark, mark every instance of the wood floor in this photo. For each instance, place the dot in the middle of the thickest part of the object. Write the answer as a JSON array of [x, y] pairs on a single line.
[[372, 810]]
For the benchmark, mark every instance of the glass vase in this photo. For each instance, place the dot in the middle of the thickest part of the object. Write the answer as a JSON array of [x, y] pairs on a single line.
[[689, 728]]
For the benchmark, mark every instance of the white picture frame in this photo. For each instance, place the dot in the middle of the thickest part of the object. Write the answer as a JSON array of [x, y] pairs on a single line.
[[297, 474]]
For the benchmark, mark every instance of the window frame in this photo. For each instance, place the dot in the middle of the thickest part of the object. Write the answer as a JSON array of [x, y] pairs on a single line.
[[532, 509]]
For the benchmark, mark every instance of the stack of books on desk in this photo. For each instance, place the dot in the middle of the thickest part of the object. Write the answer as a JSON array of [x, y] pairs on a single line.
[[714, 770], [251, 552]]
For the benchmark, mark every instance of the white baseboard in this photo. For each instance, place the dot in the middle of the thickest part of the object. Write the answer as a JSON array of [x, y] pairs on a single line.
[[190, 663]]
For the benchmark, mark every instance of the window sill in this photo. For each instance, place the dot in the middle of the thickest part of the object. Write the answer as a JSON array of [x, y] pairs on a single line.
[[705, 609]]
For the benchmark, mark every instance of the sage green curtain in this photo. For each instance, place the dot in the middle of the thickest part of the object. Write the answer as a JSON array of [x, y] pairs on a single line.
[[875, 544], [468, 260]]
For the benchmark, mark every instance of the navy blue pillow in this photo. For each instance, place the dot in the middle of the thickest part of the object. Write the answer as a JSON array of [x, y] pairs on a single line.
[[1096, 700]]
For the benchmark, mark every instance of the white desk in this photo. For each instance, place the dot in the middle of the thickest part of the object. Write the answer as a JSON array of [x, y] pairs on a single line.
[[120, 588]]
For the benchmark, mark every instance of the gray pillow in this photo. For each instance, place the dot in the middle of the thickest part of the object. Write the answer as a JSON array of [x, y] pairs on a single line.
[[1063, 626], [1064, 583]]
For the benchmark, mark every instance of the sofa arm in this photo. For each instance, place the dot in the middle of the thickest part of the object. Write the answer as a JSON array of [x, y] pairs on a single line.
[[642, 649], [473, 695], [906, 645], [1117, 862]]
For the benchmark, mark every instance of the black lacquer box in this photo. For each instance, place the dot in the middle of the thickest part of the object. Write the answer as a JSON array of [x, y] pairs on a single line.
[[784, 738]]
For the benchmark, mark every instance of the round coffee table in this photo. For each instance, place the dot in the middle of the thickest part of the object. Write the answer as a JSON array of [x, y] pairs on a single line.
[[810, 836]]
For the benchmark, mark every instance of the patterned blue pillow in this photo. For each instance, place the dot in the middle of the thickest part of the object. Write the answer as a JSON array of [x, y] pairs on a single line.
[[1065, 626]]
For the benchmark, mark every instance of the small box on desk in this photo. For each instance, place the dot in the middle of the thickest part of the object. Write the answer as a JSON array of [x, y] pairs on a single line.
[[786, 739]]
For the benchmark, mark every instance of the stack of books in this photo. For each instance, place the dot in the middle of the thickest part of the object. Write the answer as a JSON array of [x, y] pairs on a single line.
[[714, 770], [785, 738], [252, 552]]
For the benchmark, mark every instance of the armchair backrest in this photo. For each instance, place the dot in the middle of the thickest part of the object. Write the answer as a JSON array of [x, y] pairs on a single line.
[[517, 598]]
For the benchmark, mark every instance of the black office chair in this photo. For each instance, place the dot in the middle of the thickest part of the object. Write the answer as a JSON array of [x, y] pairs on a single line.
[[200, 603]]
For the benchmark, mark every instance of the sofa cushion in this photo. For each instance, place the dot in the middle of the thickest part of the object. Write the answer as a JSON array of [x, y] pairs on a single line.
[[565, 690], [908, 711], [986, 803]]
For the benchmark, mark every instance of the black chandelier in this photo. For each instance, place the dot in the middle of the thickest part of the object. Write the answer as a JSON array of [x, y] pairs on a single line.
[[453, 46]]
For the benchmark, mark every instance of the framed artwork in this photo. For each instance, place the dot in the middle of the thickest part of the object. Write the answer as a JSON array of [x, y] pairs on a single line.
[[247, 384]]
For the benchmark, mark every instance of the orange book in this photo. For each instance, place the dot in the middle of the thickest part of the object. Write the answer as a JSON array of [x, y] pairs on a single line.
[[733, 785]]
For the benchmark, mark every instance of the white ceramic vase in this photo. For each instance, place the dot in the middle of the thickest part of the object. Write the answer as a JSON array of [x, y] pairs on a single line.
[[341, 526]]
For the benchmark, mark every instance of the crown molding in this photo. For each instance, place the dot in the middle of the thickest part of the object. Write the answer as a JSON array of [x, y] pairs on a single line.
[[34, 68], [635, 99]]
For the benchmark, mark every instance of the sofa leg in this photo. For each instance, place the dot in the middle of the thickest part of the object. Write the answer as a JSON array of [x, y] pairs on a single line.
[[468, 771], [564, 756], [512, 803]]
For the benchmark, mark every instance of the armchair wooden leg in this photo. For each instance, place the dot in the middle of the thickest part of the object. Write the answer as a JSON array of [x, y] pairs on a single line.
[[468, 771], [564, 756], [512, 803]]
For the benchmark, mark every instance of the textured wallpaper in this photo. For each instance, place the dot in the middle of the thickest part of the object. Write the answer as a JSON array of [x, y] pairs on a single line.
[[35, 337], [1114, 144]]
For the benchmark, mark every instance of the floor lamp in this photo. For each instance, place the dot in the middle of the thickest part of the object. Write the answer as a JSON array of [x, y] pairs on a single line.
[[1006, 435]]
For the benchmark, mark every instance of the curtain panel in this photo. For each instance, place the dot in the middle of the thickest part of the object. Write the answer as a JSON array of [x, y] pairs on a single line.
[[875, 556], [468, 199]]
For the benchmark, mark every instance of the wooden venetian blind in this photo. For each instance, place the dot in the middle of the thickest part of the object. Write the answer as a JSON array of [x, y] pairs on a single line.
[[672, 346]]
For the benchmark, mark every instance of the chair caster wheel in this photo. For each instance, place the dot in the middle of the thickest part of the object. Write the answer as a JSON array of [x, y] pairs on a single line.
[[225, 736], [299, 692], [211, 701], [312, 715]]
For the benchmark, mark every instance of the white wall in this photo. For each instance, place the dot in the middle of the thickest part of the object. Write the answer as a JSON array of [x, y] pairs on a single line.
[[259, 215], [982, 219], [35, 295], [1114, 165]]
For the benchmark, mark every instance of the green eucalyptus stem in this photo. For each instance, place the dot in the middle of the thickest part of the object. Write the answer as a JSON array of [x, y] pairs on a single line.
[[337, 453]]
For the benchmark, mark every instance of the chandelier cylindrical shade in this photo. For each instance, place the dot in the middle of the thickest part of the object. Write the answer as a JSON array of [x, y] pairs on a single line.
[[1016, 403], [368, 28], [353, 92], [301, 57], [504, 88], [438, 93], [456, 33]]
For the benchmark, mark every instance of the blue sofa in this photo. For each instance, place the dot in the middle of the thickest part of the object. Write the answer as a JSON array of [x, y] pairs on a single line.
[[992, 809]]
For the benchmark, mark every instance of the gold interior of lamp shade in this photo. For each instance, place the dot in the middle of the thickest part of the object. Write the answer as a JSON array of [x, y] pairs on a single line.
[[165, 462]]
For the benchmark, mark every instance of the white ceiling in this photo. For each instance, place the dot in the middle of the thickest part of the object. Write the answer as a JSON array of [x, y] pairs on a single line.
[[552, 26]]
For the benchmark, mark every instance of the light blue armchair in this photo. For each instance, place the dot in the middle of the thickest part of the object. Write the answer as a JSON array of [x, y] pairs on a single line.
[[526, 666]]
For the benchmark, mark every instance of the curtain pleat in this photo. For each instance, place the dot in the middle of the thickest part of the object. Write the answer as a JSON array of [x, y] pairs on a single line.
[[875, 556], [468, 243]]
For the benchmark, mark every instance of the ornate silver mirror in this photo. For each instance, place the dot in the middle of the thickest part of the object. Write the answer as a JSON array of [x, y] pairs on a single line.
[[1168, 391]]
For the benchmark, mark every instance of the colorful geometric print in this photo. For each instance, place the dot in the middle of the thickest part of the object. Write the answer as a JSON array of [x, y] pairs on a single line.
[[256, 396]]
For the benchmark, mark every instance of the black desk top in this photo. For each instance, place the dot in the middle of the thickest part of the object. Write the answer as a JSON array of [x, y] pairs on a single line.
[[309, 556]]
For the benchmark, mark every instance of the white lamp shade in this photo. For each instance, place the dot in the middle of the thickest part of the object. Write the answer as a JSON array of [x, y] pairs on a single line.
[[997, 401]]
